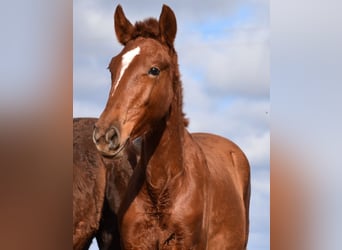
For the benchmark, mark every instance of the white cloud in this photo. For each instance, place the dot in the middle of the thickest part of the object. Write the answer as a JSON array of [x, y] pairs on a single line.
[[190, 10], [237, 63]]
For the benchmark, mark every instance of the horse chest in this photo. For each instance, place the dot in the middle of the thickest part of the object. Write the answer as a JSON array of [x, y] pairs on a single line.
[[148, 234], [147, 226]]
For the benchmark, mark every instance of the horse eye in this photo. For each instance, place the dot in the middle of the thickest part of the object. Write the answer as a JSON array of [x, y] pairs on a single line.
[[154, 71]]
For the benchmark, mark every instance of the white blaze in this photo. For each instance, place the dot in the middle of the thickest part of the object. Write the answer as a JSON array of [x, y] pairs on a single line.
[[127, 58]]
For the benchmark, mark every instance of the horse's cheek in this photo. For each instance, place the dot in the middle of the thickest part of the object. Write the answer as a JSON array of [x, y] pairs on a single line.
[[165, 96], [159, 102]]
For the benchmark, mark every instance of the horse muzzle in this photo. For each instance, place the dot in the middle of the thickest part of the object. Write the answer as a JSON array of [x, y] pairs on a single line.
[[108, 142]]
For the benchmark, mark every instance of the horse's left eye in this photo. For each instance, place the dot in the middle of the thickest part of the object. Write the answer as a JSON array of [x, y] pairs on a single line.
[[154, 71]]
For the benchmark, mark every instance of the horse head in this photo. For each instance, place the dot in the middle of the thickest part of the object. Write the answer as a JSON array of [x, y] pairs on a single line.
[[143, 78]]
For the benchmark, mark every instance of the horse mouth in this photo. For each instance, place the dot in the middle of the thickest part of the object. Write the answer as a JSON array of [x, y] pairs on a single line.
[[112, 153]]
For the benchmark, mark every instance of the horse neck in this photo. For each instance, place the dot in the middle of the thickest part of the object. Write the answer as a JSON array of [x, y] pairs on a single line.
[[164, 150]]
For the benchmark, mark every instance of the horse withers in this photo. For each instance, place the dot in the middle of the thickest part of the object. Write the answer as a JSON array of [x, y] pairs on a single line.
[[189, 191]]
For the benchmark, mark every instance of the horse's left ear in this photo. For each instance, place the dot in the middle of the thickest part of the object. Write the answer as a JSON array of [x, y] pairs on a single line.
[[167, 25]]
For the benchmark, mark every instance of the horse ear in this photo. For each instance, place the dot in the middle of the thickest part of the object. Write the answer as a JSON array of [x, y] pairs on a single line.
[[167, 25], [123, 27]]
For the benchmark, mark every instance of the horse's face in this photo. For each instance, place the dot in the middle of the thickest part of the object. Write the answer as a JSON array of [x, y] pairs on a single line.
[[140, 95]]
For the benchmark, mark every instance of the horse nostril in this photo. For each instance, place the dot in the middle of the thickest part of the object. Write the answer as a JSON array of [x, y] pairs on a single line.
[[112, 137]]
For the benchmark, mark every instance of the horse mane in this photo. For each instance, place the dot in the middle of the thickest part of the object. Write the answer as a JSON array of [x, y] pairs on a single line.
[[149, 28]]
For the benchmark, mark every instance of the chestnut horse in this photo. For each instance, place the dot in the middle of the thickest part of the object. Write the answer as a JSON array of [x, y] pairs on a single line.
[[99, 185], [189, 191]]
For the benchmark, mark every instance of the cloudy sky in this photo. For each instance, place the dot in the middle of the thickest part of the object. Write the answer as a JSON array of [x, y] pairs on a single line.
[[223, 51]]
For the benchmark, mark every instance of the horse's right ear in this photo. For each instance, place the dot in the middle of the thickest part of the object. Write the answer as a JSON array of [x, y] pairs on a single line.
[[123, 28]]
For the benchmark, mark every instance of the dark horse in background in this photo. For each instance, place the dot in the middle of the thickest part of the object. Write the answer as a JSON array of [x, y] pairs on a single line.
[[89, 180], [188, 191], [99, 185]]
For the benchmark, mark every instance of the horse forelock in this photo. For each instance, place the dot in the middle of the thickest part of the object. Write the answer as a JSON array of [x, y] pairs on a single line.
[[149, 28]]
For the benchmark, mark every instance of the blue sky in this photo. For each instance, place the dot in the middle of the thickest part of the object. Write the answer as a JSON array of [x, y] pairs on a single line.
[[223, 51]]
